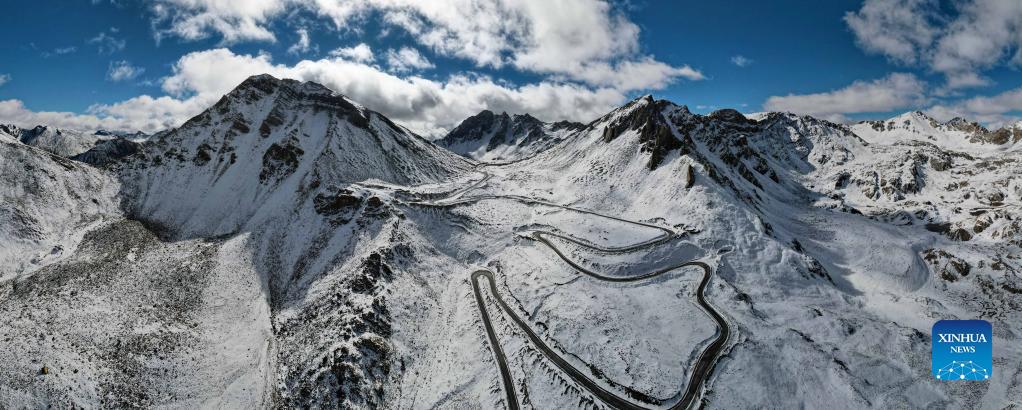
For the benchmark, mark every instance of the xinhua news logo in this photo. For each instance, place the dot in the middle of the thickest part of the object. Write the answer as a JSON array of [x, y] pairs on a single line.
[[962, 350]]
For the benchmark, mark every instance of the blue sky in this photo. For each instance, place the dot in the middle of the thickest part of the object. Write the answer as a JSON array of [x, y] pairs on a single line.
[[150, 65]]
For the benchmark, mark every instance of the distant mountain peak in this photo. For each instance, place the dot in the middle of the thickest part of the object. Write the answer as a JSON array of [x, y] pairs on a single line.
[[964, 125], [728, 114], [489, 136], [957, 133], [59, 141]]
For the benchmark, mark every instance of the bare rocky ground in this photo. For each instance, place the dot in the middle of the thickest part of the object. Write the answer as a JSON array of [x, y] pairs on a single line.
[[110, 324]]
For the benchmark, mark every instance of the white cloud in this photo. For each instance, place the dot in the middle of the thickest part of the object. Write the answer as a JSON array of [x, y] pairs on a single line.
[[428, 106], [995, 110], [14, 112], [4, 79], [741, 61], [895, 91], [59, 51], [303, 45], [422, 104], [407, 59], [361, 53], [569, 39], [977, 36], [645, 73], [123, 71], [899, 29], [107, 43], [148, 113], [233, 20]]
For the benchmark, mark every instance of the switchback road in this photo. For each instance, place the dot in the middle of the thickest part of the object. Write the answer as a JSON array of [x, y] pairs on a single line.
[[705, 363]]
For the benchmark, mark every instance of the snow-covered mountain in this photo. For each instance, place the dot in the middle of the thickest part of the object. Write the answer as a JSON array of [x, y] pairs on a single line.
[[63, 142], [501, 137], [47, 203], [107, 152], [268, 144], [956, 134], [291, 248], [840, 254]]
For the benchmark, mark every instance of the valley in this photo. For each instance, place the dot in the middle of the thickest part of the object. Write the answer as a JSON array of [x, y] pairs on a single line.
[[290, 247]]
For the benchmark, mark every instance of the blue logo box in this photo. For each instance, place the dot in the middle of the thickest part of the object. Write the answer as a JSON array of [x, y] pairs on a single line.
[[962, 350]]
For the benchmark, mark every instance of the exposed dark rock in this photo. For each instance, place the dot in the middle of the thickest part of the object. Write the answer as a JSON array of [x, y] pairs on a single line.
[[343, 201], [272, 120], [279, 161], [202, 155], [645, 115], [999, 137], [108, 152], [948, 266], [950, 231]]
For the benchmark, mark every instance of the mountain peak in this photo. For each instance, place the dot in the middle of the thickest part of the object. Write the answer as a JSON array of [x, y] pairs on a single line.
[[267, 140], [488, 136], [525, 117], [268, 84], [728, 114], [914, 115]]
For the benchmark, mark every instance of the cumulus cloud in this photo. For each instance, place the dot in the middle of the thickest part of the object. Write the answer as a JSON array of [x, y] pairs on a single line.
[[15, 112], [361, 53], [123, 71], [570, 39], [407, 59], [895, 91], [960, 43], [899, 29], [4, 79], [741, 61], [426, 106], [995, 110], [233, 20], [645, 73], [585, 53]]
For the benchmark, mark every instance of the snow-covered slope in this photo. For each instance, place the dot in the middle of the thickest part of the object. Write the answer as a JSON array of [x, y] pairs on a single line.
[[251, 266], [501, 137], [840, 253], [269, 144], [289, 248], [47, 203], [63, 142], [956, 134]]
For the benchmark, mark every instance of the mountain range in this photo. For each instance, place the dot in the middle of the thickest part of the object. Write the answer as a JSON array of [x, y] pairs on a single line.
[[289, 247]]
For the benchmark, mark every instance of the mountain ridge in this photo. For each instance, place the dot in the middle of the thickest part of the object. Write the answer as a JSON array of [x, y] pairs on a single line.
[[502, 137], [289, 247]]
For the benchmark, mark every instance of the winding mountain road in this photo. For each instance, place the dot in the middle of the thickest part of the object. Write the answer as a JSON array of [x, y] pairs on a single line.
[[704, 364]]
